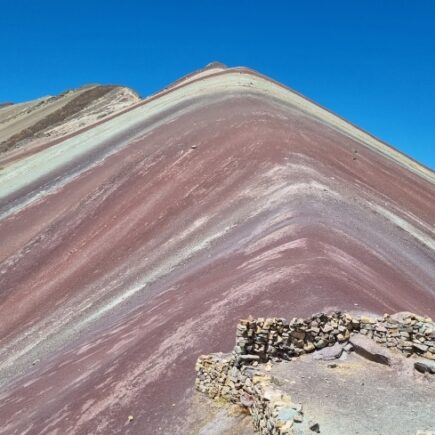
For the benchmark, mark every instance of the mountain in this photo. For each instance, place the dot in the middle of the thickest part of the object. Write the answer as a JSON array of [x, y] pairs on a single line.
[[136, 233], [30, 125]]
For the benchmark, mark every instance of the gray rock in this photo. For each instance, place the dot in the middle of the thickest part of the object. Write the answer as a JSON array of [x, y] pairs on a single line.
[[298, 418], [314, 426], [380, 328], [327, 328], [348, 347], [425, 366], [246, 400], [320, 344], [420, 347], [330, 353], [369, 349]]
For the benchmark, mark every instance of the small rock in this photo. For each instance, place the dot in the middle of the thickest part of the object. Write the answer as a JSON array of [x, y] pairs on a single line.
[[320, 344], [348, 347], [332, 365], [367, 320], [425, 366], [314, 426], [309, 347], [286, 428], [327, 328], [298, 418], [130, 418], [246, 400], [420, 347]]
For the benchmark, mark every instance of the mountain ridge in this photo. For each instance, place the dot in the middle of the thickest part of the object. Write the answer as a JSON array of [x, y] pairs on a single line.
[[136, 244], [222, 69]]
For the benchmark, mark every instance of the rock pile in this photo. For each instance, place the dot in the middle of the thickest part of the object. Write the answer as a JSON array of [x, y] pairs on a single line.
[[234, 377]]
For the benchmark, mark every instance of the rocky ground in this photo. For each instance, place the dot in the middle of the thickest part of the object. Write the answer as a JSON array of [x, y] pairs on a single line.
[[352, 395]]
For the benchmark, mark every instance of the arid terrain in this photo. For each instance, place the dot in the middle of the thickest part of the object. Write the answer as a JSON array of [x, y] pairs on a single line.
[[135, 233]]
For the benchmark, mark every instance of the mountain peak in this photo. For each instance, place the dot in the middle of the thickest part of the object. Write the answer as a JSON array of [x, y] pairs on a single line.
[[133, 243], [215, 64]]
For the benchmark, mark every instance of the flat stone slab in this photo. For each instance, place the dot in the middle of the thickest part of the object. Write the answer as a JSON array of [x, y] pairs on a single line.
[[371, 350]]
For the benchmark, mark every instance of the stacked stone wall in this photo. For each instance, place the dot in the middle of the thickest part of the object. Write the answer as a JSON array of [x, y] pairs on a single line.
[[282, 339], [271, 409], [235, 378]]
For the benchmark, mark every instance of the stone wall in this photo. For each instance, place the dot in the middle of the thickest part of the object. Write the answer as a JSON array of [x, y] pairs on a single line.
[[278, 338], [271, 409], [235, 378]]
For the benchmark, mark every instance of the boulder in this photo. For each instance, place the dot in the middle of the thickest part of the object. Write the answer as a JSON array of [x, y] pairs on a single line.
[[329, 353]]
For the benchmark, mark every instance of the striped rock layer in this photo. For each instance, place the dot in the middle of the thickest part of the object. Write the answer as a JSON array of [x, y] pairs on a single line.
[[132, 242]]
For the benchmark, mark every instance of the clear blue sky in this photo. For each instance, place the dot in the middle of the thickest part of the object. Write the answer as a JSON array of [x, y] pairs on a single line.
[[371, 61]]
